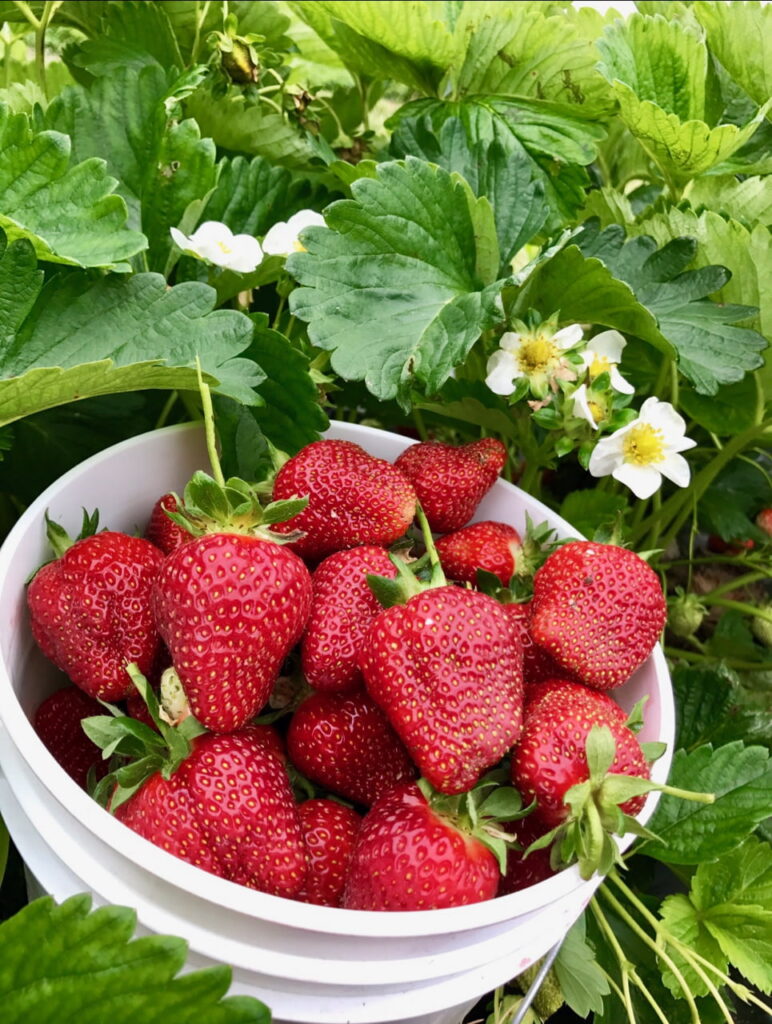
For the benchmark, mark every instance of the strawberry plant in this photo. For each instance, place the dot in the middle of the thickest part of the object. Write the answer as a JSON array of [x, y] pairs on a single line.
[[533, 237]]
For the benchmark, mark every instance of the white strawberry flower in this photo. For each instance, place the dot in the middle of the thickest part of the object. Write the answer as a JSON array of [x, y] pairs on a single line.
[[602, 354], [283, 237], [537, 355], [644, 451], [589, 406], [215, 243]]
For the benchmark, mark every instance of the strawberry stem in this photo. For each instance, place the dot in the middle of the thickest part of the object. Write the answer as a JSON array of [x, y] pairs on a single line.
[[211, 436], [437, 577]]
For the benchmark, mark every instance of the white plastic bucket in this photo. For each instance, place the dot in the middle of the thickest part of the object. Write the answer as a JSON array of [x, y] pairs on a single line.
[[309, 964]]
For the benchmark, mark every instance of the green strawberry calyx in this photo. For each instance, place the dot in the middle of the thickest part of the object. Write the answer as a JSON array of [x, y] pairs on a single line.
[[481, 811], [413, 577], [594, 811], [136, 750]]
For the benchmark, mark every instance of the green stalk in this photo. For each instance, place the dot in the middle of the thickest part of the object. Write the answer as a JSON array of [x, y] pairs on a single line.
[[626, 968], [750, 666], [655, 946], [211, 437], [201, 13], [737, 582], [739, 606]]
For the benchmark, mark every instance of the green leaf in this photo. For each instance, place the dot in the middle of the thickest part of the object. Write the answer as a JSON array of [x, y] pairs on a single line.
[[727, 916], [748, 201], [658, 70], [741, 778], [732, 500], [69, 213], [740, 35], [128, 35], [703, 698], [589, 509], [64, 961], [491, 171], [682, 920], [524, 51], [578, 973], [550, 140], [241, 125], [76, 338], [392, 289], [730, 411], [163, 165], [711, 350]]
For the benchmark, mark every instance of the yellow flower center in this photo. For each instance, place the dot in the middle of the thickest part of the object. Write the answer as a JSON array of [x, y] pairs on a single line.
[[644, 445], [599, 365], [597, 411], [224, 248], [536, 355]]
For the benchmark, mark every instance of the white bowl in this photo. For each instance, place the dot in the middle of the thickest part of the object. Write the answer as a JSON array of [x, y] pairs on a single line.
[[309, 964]]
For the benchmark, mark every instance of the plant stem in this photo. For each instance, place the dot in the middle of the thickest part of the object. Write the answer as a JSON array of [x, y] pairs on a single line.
[[739, 606], [211, 436], [419, 423], [737, 582], [201, 13], [652, 944], [168, 406], [749, 666], [625, 966]]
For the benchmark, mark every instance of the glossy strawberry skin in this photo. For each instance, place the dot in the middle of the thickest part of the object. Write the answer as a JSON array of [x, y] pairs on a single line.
[[161, 530], [354, 498], [343, 742], [57, 723], [538, 664], [487, 545], [451, 480], [408, 858], [559, 693], [230, 607], [229, 810], [550, 757], [764, 521], [330, 830], [446, 669], [599, 610], [522, 871], [342, 611], [90, 611]]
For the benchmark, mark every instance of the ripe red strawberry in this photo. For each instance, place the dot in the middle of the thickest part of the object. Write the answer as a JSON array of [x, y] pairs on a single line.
[[57, 723], [489, 545], [226, 807], [551, 757], [734, 547], [559, 694], [354, 498], [90, 610], [161, 530], [538, 664], [599, 610], [344, 742], [230, 607], [330, 830], [447, 670], [523, 871], [450, 480], [407, 857], [342, 610]]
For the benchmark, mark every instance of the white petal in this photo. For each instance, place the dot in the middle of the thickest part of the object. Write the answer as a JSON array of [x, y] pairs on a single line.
[[279, 240], [675, 468], [663, 416], [619, 383], [643, 481], [567, 337], [606, 455], [582, 408], [305, 219], [510, 341], [246, 255], [608, 344], [502, 372], [180, 240], [210, 233]]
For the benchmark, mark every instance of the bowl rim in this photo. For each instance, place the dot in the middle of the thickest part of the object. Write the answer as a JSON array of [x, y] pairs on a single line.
[[231, 895]]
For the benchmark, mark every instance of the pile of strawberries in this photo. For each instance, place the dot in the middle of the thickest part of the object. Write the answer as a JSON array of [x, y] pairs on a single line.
[[345, 716]]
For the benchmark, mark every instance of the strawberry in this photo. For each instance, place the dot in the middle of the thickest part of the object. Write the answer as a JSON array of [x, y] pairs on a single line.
[[733, 547], [488, 545], [538, 664], [90, 609], [161, 530], [451, 480], [764, 521], [57, 723], [342, 609], [557, 694], [330, 831], [223, 803], [344, 742], [523, 871], [354, 498], [598, 609], [447, 670], [411, 855]]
